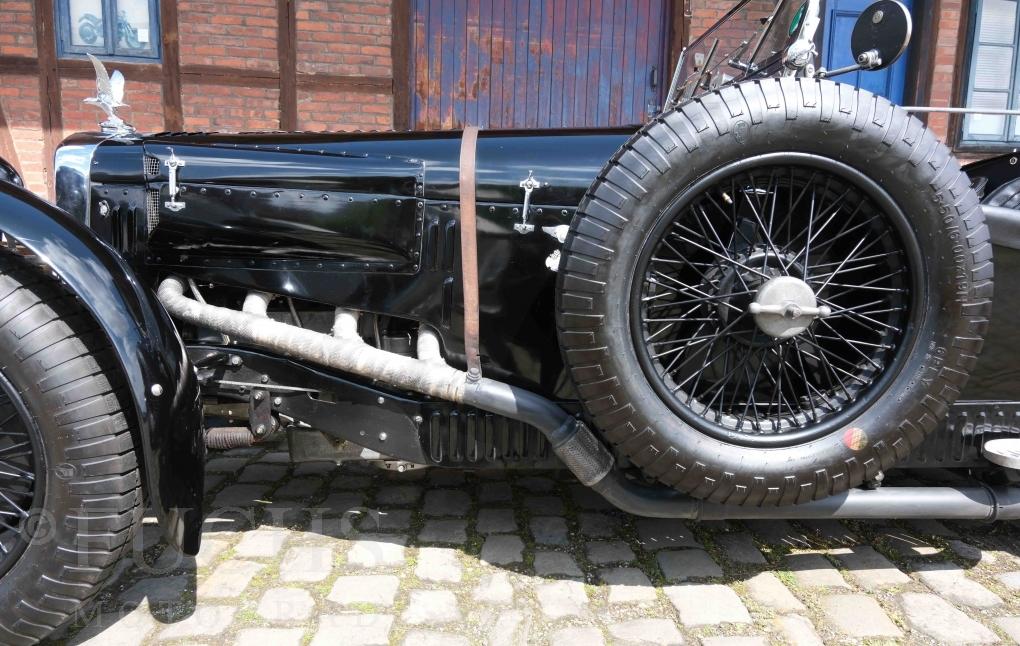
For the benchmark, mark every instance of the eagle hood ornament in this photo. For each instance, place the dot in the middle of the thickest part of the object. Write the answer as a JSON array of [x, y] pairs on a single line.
[[109, 97]]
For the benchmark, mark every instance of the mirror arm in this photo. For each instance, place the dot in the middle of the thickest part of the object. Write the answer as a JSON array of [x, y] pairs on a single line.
[[868, 60]]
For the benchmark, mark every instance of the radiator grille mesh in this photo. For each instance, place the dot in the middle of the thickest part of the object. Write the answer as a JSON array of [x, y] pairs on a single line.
[[151, 165], [152, 208]]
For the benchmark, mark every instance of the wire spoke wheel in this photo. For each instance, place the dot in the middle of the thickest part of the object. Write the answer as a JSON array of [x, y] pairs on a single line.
[[19, 473], [773, 298]]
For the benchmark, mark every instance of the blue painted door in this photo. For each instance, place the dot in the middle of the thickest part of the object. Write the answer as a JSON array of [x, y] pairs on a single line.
[[840, 16]]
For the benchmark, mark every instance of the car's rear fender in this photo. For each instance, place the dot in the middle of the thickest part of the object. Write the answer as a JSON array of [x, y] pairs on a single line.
[[164, 391]]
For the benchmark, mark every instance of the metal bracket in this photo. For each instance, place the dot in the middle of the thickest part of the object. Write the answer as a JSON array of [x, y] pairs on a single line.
[[260, 412], [529, 184], [172, 165]]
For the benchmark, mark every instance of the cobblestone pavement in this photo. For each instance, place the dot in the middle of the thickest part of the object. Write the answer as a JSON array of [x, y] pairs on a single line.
[[309, 554]]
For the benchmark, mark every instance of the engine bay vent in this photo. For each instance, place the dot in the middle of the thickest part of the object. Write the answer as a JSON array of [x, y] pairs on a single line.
[[151, 165], [152, 207]]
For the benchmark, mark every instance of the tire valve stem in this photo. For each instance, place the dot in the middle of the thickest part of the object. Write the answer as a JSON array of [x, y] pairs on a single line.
[[726, 197]]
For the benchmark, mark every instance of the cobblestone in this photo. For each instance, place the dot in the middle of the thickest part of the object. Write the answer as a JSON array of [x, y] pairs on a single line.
[[297, 488], [431, 607], [502, 550], [206, 621], [769, 591], [682, 565], [549, 530], [444, 531], [869, 568], [798, 631], [1010, 626], [229, 579], [602, 552], [489, 492], [307, 564], [858, 615], [734, 641], [375, 590], [398, 495], [433, 638], [656, 533], [274, 636], [815, 571], [377, 550], [438, 564], [260, 543], [286, 604], [496, 521], [562, 599], [263, 473], [1009, 579], [627, 585], [936, 618], [951, 583], [660, 632], [740, 548], [553, 563], [577, 637], [364, 629], [495, 589], [505, 559], [595, 525], [446, 502], [707, 604]]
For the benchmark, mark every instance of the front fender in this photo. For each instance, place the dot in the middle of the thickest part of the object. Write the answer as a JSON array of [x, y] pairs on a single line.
[[162, 380]]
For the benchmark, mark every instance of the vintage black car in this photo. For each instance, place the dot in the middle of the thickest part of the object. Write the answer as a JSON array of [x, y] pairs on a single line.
[[754, 305]]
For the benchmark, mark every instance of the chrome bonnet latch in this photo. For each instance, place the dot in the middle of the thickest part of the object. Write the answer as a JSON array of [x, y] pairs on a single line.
[[172, 165], [529, 184]]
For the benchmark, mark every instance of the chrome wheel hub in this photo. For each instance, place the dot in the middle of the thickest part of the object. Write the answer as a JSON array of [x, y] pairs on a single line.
[[785, 306]]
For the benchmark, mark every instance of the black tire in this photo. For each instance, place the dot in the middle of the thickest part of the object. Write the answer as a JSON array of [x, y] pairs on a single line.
[[889, 150], [57, 366]]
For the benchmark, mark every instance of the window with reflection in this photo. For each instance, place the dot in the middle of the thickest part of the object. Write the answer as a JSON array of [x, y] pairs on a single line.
[[113, 28], [992, 81]]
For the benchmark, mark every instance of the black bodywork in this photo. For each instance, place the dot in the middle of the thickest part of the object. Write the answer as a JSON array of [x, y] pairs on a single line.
[[163, 387], [369, 222]]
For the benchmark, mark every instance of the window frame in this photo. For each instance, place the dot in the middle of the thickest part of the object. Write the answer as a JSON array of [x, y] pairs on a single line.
[[110, 51], [989, 143]]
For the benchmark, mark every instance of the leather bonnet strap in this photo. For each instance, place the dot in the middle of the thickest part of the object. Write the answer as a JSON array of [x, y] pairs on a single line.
[[469, 251]]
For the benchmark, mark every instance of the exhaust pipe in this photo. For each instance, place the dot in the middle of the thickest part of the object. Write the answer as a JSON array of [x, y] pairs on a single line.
[[576, 446]]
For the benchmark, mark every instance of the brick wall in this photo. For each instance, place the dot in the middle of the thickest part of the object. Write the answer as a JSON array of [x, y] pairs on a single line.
[[350, 38], [19, 93], [947, 40], [333, 38], [330, 110], [17, 28], [224, 108], [344, 37], [705, 13], [229, 33]]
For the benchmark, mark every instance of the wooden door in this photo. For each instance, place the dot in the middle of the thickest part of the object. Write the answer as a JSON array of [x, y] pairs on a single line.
[[537, 63]]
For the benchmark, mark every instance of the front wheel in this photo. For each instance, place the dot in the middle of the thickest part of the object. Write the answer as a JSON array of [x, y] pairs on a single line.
[[773, 293], [70, 495]]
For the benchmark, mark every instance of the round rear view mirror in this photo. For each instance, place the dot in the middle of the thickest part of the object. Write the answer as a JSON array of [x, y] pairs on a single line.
[[881, 34]]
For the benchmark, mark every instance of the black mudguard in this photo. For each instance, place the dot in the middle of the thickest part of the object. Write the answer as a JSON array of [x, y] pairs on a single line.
[[159, 374]]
